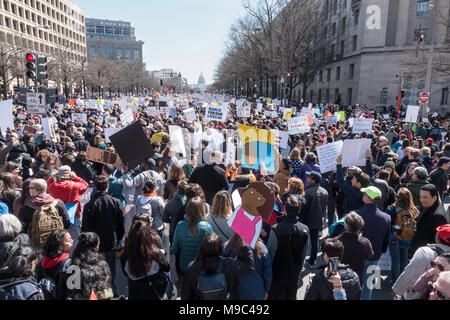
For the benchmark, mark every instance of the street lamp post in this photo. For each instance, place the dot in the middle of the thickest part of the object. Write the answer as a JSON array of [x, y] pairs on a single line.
[[424, 107], [282, 91]]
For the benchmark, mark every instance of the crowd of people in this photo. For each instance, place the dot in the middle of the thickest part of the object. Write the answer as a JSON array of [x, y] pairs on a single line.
[[66, 220]]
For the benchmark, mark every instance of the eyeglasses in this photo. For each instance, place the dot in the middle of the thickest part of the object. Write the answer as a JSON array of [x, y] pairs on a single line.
[[440, 295], [440, 267], [31, 188]]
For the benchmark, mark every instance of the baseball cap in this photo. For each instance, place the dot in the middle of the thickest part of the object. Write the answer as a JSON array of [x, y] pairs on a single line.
[[444, 232], [429, 140], [317, 177], [372, 192], [442, 161]]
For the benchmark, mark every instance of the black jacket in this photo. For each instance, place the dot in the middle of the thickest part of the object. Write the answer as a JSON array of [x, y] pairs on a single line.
[[211, 178], [440, 179], [427, 223], [9, 244], [103, 215], [322, 289], [232, 268], [81, 145], [19, 288], [84, 170], [292, 237]]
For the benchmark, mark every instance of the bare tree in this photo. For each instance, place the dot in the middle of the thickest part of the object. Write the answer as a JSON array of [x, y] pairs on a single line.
[[9, 68]]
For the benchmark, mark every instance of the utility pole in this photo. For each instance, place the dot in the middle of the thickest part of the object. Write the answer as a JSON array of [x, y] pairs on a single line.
[[424, 107], [400, 93]]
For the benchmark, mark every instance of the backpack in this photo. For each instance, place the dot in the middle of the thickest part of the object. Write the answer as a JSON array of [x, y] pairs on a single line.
[[48, 284], [46, 219], [406, 220], [212, 286]]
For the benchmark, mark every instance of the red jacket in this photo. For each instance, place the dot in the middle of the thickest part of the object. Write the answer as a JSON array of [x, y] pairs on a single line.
[[68, 191]]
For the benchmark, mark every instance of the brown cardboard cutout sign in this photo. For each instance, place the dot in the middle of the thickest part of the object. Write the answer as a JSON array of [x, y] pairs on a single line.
[[104, 157]]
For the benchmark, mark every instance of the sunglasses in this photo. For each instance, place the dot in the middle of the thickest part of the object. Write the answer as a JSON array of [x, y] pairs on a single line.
[[440, 295], [440, 267]]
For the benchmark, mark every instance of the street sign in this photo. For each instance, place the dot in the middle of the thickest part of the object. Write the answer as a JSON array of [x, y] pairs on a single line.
[[36, 103], [37, 118], [424, 98]]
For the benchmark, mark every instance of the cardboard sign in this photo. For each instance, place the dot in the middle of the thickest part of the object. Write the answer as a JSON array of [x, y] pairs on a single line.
[[354, 152], [79, 117], [361, 125], [102, 156], [111, 121], [28, 129], [135, 153], [127, 117], [6, 117], [341, 115], [48, 128], [332, 119], [298, 125], [412, 114], [327, 155], [216, 113], [281, 138], [243, 112], [153, 112], [109, 132], [259, 148], [190, 115]]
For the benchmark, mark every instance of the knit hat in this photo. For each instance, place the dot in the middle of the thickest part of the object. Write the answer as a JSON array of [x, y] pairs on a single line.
[[389, 164], [64, 172], [444, 232]]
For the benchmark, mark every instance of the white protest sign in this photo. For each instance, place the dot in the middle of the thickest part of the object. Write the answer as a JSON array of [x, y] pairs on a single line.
[[305, 112], [361, 125], [281, 138], [332, 119], [176, 137], [79, 117], [216, 113], [259, 107], [328, 154], [109, 132], [153, 112], [6, 117], [190, 115], [100, 120], [412, 113], [298, 125], [127, 117], [243, 111], [111, 121], [354, 152], [48, 128]]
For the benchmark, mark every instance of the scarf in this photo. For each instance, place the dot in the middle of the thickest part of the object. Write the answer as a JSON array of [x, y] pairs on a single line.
[[153, 194], [48, 263]]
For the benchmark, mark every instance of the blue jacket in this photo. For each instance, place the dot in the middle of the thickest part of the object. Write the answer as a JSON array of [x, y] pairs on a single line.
[[187, 246], [353, 197], [377, 228], [307, 167], [255, 285]]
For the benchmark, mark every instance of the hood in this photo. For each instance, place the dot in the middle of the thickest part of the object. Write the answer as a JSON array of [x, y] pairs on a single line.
[[243, 177], [211, 265], [42, 199], [49, 263]]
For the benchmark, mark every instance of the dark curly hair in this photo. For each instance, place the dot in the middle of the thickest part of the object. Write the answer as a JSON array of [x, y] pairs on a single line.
[[52, 247]]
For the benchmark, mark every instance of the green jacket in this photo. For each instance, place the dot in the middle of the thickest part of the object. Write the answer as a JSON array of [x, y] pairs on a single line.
[[187, 246]]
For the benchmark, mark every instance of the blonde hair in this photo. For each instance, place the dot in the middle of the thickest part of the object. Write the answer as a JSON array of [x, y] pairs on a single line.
[[295, 154], [98, 140], [221, 206]]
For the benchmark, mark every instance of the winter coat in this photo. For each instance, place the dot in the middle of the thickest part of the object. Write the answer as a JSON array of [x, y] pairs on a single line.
[[53, 269], [322, 289], [153, 206], [19, 288], [84, 170], [26, 213], [186, 245], [440, 179], [232, 269], [353, 197], [81, 145], [68, 191], [9, 244], [307, 167], [356, 249], [287, 245], [377, 228], [103, 215], [211, 178], [172, 211], [221, 228], [242, 181], [139, 287], [427, 223], [281, 178], [132, 187], [316, 207], [256, 284]]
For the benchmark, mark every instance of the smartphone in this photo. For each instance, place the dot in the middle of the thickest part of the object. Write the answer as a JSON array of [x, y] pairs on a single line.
[[332, 267]]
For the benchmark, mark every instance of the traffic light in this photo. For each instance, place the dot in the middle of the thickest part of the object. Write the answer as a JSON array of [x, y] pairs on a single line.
[[289, 75], [42, 68], [31, 65]]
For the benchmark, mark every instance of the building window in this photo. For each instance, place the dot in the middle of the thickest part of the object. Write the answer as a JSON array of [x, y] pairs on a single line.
[[355, 43], [444, 96], [352, 71], [344, 21], [327, 96], [311, 95], [422, 8], [321, 76], [349, 96], [384, 96], [344, 4], [328, 75], [356, 17], [320, 96], [342, 47], [338, 73], [333, 29], [336, 95]]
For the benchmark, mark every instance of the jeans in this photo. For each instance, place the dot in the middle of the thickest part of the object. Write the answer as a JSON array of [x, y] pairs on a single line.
[[74, 232], [368, 279], [399, 257], [314, 235]]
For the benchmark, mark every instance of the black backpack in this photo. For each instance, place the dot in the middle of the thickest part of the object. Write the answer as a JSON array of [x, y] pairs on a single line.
[[212, 286], [48, 285]]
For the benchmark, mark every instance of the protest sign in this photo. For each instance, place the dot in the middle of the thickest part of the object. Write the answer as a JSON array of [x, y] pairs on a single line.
[[109, 132], [21, 116], [177, 145], [127, 117], [132, 154], [48, 128], [298, 125], [28, 129], [190, 115], [332, 119], [102, 156], [281, 138], [341, 115], [259, 148], [259, 107], [6, 117], [354, 152], [361, 125], [153, 112], [412, 114], [79, 117], [305, 112], [287, 113], [328, 154], [243, 111], [216, 113], [111, 121]]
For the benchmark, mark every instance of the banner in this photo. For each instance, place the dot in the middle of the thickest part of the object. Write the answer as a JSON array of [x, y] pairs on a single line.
[[327, 155], [298, 125], [79, 117], [104, 157], [216, 113], [361, 125], [259, 148]]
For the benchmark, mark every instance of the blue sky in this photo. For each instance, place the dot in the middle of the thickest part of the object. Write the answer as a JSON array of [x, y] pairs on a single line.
[[186, 35]]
